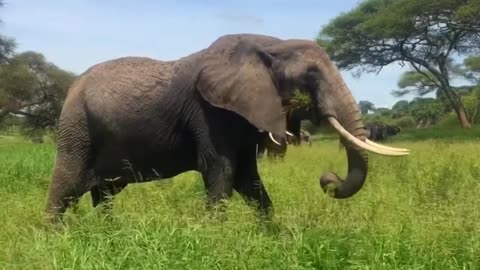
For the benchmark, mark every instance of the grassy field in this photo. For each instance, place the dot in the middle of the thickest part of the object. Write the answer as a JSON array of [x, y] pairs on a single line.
[[419, 212]]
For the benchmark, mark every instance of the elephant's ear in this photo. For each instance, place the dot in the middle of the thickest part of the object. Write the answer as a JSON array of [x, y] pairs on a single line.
[[237, 77]]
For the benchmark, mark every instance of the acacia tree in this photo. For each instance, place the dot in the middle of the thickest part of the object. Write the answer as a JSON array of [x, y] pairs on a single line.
[[366, 106], [426, 111], [422, 33], [33, 88], [400, 109]]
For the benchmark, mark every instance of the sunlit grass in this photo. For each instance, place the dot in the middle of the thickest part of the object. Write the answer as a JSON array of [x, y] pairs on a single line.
[[418, 212]]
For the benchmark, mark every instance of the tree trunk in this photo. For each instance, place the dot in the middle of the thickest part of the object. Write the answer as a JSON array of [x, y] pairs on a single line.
[[462, 116], [460, 111], [457, 106], [420, 124]]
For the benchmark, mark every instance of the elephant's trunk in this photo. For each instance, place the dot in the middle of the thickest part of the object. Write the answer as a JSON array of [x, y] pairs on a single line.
[[335, 100], [349, 117]]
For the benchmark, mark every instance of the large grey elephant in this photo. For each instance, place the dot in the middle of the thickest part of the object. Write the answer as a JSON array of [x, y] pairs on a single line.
[[136, 119]]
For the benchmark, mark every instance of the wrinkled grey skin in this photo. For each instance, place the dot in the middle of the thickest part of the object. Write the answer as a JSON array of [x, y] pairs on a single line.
[[380, 132], [136, 119]]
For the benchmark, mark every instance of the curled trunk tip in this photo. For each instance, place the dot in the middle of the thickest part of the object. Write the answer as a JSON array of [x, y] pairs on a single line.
[[340, 188], [357, 159]]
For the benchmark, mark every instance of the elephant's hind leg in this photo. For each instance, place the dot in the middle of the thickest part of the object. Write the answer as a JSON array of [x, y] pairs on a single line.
[[70, 181]]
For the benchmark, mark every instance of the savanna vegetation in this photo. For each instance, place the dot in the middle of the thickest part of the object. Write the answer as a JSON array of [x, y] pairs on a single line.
[[418, 212]]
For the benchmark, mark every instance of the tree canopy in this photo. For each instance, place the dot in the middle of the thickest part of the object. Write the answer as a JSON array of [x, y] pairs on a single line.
[[366, 106], [380, 32], [472, 69]]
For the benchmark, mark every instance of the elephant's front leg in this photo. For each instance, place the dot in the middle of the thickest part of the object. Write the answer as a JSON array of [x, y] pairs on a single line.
[[218, 179], [250, 186]]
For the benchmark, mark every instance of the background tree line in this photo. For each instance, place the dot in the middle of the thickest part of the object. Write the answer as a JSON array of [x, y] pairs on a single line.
[[429, 111], [32, 90]]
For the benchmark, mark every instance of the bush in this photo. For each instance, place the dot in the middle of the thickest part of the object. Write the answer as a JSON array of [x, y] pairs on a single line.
[[35, 135], [405, 122], [448, 120]]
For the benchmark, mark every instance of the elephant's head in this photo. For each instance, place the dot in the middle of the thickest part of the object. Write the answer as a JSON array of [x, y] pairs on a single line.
[[256, 77]]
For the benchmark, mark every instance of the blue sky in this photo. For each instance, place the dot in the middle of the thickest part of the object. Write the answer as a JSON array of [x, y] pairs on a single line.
[[78, 34]]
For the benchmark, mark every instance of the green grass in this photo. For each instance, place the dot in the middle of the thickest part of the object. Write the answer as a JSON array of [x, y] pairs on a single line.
[[418, 212], [446, 133]]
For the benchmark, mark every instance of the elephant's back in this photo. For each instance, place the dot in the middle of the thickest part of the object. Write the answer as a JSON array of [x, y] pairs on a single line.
[[127, 76], [128, 84]]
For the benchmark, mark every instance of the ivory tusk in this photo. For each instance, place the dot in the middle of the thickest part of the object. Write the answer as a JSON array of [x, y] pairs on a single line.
[[289, 133], [349, 137], [367, 141], [271, 138]]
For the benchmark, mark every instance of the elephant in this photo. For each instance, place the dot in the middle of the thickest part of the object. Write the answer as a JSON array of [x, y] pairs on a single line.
[[274, 146], [380, 132], [305, 137], [137, 119]]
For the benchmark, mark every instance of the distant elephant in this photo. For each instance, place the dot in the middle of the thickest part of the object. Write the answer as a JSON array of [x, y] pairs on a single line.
[[274, 146], [294, 119], [305, 137], [277, 147], [136, 119], [380, 132], [302, 137]]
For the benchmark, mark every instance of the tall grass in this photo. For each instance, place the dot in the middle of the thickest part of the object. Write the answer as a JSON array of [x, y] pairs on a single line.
[[418, 212], [445, 133]]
